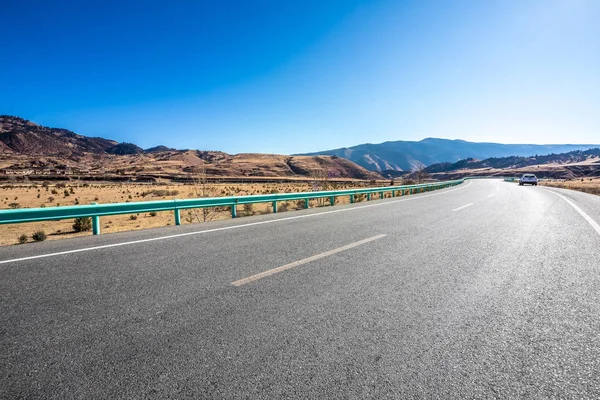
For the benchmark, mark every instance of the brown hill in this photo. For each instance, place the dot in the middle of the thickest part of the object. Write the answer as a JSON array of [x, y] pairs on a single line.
[[28, 149]]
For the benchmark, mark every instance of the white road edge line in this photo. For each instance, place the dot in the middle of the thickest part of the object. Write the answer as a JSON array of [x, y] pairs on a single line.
[[106, 246], [589, 219], [465, 206], [274, 271]]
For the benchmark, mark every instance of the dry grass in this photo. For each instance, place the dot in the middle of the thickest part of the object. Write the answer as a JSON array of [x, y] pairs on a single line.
[[587, 185], [33, 196]]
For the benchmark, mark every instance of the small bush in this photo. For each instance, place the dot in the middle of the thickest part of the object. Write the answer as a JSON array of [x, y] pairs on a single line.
[[248, 209], [153, 213], [189, 217], [283, 206], [14, 205], [133, 217], [23, 239], [82, 224], [39, 236]]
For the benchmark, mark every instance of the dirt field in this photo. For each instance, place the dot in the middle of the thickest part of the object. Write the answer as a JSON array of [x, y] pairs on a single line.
[[33, 196], [587, 185]]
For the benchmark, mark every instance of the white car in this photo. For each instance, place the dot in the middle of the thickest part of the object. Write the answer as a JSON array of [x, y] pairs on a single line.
[[528, 179]]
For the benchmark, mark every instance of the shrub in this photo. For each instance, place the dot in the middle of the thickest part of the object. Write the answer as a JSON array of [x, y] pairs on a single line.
[[66, 193], [153, 213], [82, 224], [133, 217], [39, 236], [14, 205], [23, 239], [50, 199], [189, 217], [248, 209]]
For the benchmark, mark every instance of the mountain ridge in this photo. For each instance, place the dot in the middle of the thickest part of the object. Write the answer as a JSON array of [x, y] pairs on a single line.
[[27, 148], [403, 155]]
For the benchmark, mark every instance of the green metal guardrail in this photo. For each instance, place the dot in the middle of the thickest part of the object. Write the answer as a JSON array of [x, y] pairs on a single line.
[[95, 211]]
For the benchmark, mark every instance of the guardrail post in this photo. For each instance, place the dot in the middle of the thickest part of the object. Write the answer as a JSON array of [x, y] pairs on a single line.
[[381, 195], [351, 199], [233, 211], [332, 200], [306, 203], [95, 223], [368, 196], [177, 216], [393, 193], [274, 207]]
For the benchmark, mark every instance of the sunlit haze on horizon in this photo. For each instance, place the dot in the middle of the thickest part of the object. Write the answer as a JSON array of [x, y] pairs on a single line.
[[298, 76]]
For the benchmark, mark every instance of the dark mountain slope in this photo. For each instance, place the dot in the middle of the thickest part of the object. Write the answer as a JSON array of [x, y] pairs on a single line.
[[18, 135], [515, 162]]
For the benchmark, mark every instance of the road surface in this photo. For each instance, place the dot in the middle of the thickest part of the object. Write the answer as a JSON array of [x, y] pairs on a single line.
[[483, 290]]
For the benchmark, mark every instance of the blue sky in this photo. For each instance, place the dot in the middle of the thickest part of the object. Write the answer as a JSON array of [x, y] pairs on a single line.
[[298, 76]]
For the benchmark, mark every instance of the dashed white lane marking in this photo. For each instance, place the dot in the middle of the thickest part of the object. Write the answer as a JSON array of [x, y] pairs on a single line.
[[589, 219], [465, 206], [303, 261], [59, 253]]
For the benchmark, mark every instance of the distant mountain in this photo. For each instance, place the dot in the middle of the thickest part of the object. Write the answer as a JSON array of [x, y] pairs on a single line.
[[410, 155], [20, 136], [516, 162]]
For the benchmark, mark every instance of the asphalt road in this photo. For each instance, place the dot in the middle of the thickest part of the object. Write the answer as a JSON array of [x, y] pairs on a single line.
[[484, 290]]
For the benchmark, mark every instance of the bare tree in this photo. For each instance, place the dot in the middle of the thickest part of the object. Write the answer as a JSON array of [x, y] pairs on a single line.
[[203, 188]]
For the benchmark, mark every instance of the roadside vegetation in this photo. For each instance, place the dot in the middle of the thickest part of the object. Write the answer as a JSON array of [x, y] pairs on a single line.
[[587, 185]]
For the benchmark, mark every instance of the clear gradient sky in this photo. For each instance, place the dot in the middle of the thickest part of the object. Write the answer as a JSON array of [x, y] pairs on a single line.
[[297, 76]]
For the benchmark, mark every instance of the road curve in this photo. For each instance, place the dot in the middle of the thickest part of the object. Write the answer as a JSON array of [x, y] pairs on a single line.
[[484, 290]]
